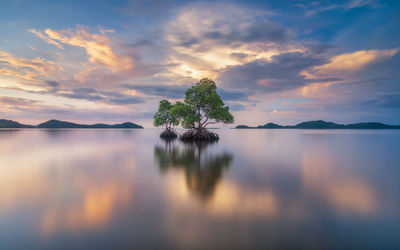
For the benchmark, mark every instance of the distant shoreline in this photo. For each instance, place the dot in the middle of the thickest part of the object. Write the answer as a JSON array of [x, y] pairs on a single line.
[[56, 124], [320, 124]]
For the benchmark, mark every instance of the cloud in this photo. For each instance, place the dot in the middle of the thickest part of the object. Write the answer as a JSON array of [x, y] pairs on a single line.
[[178, 91], [114, 97], [169, 91], [353, 62], [86, 74], [318, 7], [261, 56], [218, 29], [282, 72], [348, 101], [236, 95], [28, 69], [391, 101], [47, 39], [82, 93], [225, 24], [23, 108], [362, 3], [318, 48], [97, 46], [109, 62], [125, 100], [14, 101], [111, 97], [236, 106], [206, 37], [53, 84]]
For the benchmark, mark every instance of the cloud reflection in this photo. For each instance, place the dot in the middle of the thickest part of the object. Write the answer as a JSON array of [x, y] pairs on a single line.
[[345, 192], [68, 181]]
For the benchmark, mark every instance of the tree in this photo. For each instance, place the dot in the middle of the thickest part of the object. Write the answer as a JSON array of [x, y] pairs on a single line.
[[202, 107], [164, 117]]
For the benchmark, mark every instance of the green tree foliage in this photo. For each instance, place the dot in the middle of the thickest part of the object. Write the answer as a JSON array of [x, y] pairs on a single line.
[[164, 116], [202, 107]]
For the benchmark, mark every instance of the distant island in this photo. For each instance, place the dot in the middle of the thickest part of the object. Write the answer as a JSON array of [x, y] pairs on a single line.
[[63, 124], [323, 125]]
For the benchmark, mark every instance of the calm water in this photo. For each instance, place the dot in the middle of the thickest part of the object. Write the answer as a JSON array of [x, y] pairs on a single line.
[[253, 189]]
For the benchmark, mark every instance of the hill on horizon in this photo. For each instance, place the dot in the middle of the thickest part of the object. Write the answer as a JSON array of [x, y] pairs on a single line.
[[320, 124], [64, 124]]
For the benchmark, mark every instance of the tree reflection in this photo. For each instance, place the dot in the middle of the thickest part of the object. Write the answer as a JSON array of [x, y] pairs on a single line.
[[202, 169]]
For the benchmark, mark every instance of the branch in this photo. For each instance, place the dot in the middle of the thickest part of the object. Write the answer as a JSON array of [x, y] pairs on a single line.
[[210, 123], [205, 121]]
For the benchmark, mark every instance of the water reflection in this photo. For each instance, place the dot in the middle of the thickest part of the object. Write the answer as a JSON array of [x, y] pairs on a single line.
[[7, 133], [65, 179], [202, 171], [347, 192], [253, 189]]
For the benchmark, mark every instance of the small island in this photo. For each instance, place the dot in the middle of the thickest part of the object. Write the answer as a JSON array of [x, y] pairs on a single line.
[[202, 107], [320, 124], [56, 124]]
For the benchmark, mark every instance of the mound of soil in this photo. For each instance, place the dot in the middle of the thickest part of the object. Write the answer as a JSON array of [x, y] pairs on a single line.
[[199, 135]]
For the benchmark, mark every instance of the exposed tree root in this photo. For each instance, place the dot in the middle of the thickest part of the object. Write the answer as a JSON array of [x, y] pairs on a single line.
[[168, 134], [199, 135]]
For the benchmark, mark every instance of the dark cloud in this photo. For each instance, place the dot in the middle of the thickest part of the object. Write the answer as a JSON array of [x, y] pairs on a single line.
[[262, 31], [280, 73], [237, 95], [384, 101], [178, 91], [204, 24], [4, 100], [239, 55], [319, 48], [372, 94], [53, 84], [236, 106], [169, 91], [257, 31], [85, 90], [125, 100], [385, 68], [89, 94], [82, 96]]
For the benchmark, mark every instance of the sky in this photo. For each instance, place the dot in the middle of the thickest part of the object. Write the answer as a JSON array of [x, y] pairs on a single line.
[[273, 61]]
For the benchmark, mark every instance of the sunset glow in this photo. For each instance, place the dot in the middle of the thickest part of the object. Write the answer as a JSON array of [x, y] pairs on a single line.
[[271, 61]]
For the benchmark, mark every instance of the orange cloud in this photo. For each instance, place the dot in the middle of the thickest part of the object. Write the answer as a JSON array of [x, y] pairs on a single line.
[[83, 75], [97, 46], [48, 40], [28, 69], [351, 62]]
